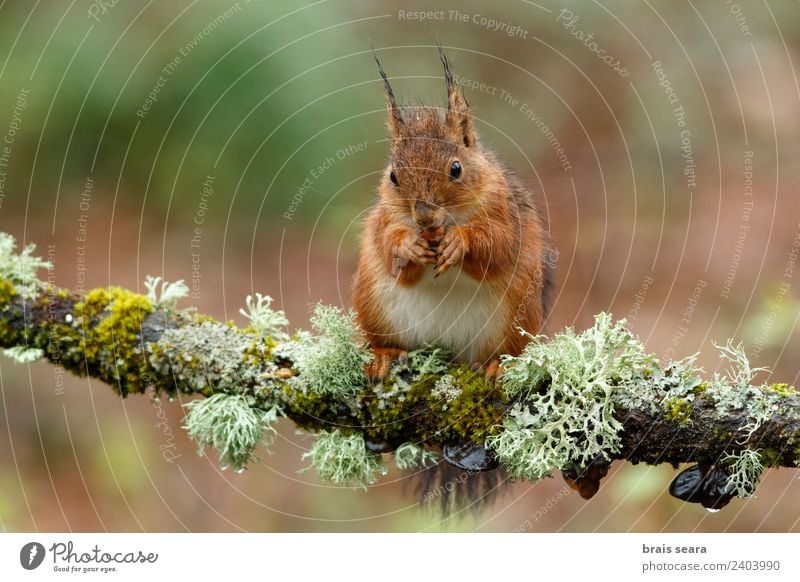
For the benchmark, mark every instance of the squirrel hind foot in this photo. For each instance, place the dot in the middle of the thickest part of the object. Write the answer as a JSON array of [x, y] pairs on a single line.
[[492, 369], [379, 367]]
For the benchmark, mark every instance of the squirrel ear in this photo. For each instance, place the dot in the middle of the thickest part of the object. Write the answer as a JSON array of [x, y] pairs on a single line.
[[458, 116], [395, 119]]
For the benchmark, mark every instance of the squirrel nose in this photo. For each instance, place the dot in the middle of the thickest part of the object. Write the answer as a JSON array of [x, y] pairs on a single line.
[[424, 213]]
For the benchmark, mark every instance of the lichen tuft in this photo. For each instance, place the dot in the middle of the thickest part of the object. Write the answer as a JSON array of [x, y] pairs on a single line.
[[744, 470], [19, 267], [168, 295], [735, 391], [23, 355], [411, 456], [344, 459], [572, 421], [332, 362], [265, 321], [232, 425]]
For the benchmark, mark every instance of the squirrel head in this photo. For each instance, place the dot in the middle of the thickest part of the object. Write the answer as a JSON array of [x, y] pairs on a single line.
[[438, 174]]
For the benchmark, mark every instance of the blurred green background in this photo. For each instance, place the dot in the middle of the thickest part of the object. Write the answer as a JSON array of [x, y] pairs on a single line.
[[218, 142]]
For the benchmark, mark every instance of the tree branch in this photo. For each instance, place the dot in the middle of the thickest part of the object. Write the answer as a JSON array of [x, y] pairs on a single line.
[[573, 403]]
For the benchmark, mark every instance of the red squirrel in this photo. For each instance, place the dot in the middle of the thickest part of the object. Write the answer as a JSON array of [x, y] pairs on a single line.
[[454, 251]]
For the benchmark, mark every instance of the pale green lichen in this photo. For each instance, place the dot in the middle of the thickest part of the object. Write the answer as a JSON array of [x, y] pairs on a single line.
[[446, 390], [572, 421], [331, 363], [19, 267], [735, 391], [344, 459], [211, 357], [265, 321], [531, 448], [24, 355], [405, 373], [744, 471], [603, 356], [428, 360], [393, 390], [674, 386], [168, 295], [740, 373], [411, 456], [232, 425]]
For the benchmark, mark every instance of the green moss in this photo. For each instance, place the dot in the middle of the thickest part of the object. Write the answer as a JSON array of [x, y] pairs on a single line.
[[258, 352], [770, 458], [109, 322], [7, 295], [678, 410], [202, 318], [720, 435], [780, 389], [474, 414], [311, 411], [470, 415], [7, 292], [383, 409]]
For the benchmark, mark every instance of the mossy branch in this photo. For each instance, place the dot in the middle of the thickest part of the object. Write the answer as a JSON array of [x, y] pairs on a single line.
[[573, 402]]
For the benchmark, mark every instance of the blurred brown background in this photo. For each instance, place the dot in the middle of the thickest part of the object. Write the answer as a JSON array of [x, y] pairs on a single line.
[[673, 201]]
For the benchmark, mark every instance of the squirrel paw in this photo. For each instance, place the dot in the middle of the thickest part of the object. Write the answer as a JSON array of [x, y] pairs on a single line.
[[412, 250], [451, 250], [492, 369], [378, 368]]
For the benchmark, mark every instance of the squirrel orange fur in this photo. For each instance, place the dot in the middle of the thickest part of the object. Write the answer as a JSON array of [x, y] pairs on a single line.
[[454, 251]]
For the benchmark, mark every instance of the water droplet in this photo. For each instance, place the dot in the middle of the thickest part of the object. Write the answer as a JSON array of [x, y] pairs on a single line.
[[712, 510]]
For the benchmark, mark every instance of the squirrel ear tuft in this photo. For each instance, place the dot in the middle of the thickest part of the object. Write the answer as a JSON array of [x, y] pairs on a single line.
[[458, 116], [395, 119]]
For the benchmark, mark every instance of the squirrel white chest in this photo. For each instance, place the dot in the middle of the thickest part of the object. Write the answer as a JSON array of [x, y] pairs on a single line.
[[453, 311]]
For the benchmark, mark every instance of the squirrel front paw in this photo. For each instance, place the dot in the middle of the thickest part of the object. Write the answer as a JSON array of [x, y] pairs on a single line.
[[412, 249], [451, 250]]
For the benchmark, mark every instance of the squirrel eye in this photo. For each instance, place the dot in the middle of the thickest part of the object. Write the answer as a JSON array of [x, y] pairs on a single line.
[[393, 178], [455, 170]]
